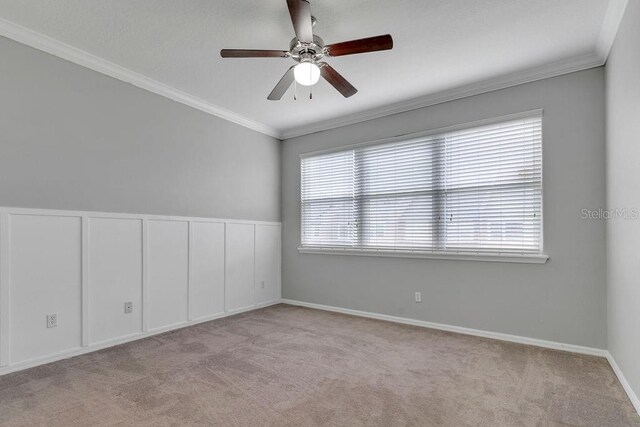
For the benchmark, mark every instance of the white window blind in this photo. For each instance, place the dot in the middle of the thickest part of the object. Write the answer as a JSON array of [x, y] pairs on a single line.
[[471, 191]]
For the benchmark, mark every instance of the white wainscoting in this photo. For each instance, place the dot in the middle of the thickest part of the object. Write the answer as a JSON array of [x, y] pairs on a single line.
[[240, 254], [267, 271], [206, 283], [168, 273], [115, 277], [84, 266], [46, 278]]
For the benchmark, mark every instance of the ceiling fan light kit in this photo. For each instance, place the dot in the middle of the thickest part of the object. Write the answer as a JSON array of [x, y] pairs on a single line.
[[308, 50], [306, 73]]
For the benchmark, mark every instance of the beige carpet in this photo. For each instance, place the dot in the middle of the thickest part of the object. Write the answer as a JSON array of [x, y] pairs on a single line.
[[287, 365]]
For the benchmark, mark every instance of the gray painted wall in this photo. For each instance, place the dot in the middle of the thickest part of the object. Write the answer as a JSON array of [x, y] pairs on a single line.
[[563, 300], [623, 191], [71, 138]]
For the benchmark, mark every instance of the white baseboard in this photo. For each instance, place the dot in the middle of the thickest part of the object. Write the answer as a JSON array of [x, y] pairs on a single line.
[[210, 317], [67, 354], [635, 401], [486, 334], [458, 329], [265, 304]]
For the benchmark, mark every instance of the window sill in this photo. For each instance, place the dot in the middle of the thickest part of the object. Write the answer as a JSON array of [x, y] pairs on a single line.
[[511, 258]]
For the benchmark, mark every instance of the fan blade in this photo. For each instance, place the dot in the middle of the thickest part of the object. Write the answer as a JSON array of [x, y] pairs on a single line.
[[300, 11], [282, 85], [336, 80], [250, 53], [370, 44]]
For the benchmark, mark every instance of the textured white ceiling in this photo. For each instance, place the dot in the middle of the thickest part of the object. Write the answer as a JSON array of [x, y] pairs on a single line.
[[439, 45]]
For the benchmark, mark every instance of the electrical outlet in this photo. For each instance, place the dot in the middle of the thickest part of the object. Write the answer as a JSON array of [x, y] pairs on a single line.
[[262, 285], [418, 297], [52, 320], [128, 307]]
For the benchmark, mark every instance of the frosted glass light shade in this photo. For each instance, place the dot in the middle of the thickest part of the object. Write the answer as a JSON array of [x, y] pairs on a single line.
[[307, 73]]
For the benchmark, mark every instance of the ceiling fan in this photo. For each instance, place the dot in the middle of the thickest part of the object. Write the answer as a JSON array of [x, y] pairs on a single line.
[[307, 50]]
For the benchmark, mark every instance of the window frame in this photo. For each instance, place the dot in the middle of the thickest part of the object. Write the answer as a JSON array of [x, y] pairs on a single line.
[[529, 258]]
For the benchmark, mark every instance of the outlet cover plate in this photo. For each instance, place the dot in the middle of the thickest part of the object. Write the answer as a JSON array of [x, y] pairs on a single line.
[[52, 320]]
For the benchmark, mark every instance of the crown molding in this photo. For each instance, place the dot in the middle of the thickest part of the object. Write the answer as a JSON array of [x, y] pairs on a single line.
[[530, 75], [610, 25], [62, 50], [609, 29]]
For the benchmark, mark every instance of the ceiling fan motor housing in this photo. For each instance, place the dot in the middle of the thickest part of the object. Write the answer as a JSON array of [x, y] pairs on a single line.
[[305, 52], [308, 50]]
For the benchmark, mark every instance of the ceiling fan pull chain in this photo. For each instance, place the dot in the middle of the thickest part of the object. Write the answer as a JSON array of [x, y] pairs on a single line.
[[307, 51], [295, 90]]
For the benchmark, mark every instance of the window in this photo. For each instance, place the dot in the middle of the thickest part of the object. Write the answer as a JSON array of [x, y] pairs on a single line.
[[466, 191]]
